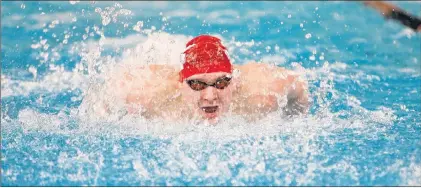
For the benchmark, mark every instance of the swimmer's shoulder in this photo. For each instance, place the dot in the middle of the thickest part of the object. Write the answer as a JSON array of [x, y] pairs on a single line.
[[130, 72], [274, 77]]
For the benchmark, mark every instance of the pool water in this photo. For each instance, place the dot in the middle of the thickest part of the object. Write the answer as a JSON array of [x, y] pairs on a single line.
[[363, 71]]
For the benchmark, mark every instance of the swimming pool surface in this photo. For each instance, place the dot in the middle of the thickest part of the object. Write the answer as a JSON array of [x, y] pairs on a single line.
[[364, 74]]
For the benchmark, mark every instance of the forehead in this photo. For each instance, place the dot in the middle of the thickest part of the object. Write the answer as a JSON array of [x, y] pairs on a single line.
[[209, 76]]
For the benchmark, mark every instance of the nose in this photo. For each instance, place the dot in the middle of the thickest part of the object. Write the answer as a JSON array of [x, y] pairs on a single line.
[[209, 94]]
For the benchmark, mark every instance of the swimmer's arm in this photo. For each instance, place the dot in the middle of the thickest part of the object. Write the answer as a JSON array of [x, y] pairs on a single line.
[[107, 99], [96, 103], [382, 7], [390, 11], [153, 89], [273, 82]]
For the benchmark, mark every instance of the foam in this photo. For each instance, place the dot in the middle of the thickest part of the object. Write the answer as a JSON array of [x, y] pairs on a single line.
[[55, 82], [410, 174]]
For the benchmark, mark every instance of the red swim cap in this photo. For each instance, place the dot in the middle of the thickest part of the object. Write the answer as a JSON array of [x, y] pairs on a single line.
[[204, 54]]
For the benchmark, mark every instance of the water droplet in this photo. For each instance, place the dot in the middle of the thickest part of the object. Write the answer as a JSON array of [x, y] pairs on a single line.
[[118, 5], [35, 46], [312, 58], [138, 26], [22, 6], [43, 42], [308, 35], [33, 70], [106, 20], [46, 47], [289, 16]]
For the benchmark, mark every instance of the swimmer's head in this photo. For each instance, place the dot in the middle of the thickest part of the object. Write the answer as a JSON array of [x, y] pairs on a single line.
[[204, 54], [206, 77]]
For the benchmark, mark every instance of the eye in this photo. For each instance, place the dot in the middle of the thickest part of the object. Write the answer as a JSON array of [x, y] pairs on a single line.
[[196, 85], [222, 83]]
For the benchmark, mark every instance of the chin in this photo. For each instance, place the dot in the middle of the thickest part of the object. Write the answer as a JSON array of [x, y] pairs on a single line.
[[213, 121]]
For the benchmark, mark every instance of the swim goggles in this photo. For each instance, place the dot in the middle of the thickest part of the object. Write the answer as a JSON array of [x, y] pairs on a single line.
[[220, 83]]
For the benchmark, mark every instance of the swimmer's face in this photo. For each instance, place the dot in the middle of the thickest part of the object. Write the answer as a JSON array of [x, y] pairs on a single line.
[[207, 101]]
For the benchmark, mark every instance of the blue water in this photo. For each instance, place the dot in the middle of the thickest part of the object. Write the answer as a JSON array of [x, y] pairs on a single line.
[[363, 72]]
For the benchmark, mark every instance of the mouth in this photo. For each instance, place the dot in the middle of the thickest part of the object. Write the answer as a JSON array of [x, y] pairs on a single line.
[[210, 109]]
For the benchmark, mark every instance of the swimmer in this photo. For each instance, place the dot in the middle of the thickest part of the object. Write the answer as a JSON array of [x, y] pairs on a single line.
[[390, 11], [208, 87]]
